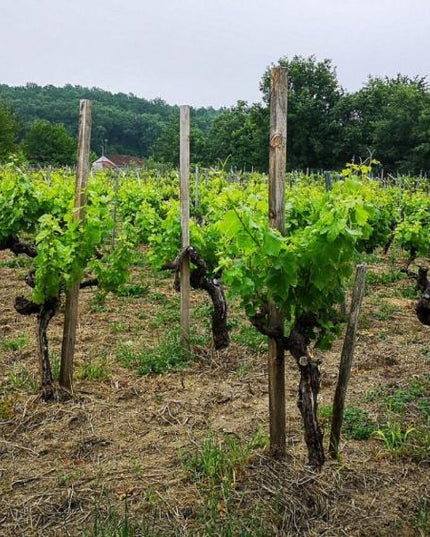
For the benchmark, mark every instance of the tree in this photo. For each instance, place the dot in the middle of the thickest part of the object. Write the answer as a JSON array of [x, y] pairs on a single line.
[[46, 143], [166, 147], [241, 133], [8, 132], [313, 126], [389, 117]]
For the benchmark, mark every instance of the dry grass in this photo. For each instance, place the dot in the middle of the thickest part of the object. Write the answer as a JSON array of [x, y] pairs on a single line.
[[117, 448]]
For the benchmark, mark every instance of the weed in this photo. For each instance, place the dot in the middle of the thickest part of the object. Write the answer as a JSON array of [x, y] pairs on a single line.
[[409, 291], [386, 312], [55, 360], [17, 262], [98, 302], [394, 437], [384, 278], [97, 369], [15, 344], [422, 520], [20, 379], [372, 395], [135, 290], [168, 355], [139, 259], [218, 461], [114, 525], [249, 337], [164, 317], [159, 297], [356, 422], [372, 258], [117, 327], [400, 397]]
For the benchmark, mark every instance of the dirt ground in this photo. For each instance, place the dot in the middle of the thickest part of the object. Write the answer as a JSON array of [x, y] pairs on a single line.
[[114, 457]]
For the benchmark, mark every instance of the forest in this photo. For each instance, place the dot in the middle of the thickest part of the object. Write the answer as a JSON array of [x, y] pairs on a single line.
[[387, 118]]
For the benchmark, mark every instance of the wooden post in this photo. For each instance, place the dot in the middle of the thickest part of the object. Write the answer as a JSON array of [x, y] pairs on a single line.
[[328, 181], [346, 360], [277, 168], [185, 222], [196, 198], [72, 298], [115, 204]]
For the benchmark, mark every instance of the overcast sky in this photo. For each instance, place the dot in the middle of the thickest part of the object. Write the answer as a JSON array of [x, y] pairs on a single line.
[[206, 52]]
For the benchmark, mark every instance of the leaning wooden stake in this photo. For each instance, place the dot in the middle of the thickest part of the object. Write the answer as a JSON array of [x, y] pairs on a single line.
[[72, 298], [185, 223], [277, 168], [346, 361]]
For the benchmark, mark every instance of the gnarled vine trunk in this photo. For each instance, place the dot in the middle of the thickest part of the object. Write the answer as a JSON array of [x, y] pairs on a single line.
[[44, 312], [422, 307], [307, 398], [199, 279]]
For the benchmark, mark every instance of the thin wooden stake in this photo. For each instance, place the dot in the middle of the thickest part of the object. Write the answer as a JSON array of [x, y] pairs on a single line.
[[196, 198], [277, 169], [346, 360], [72, 298], [328, 181], [185, 222]]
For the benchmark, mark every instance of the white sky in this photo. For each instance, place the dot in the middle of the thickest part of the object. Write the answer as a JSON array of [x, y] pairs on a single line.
[[206, 52]]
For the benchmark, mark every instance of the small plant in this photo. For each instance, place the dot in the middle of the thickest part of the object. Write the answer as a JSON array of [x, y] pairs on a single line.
[[20, 379], [356, 422], [18, 262], [384, 278], [386, 312], [400, 397], [395, 439], [97, 369], [246, 336], [15, 344], [219, 460], [168, 355], [135, 290], [159, 297], [98, 302], [423, 516], [163, 317], [117, 327], [372, 395], [55, 360], [409, 291]]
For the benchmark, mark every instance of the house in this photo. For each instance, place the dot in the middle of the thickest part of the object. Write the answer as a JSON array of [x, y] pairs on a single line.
[[114, 162]]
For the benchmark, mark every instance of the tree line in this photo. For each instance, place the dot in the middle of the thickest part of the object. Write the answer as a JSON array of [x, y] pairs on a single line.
[[388, 118]]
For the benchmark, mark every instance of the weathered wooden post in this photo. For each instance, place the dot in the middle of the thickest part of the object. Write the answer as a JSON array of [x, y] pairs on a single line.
[[72, 298], [277, 168], [328, 181], [115, 203], [185, 223], [346, 360], [196, 198]]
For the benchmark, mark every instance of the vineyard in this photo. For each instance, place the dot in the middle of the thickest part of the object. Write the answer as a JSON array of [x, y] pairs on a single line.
[[157, 439], [237, 355]]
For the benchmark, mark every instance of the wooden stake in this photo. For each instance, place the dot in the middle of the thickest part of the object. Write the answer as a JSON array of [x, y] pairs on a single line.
[[346, 360], [185, 223], [72, 298], [196, 198], [277, 168], [328, 181]]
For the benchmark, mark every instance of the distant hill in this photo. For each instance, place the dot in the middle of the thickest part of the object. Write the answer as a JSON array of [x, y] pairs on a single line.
[[130, 124]]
